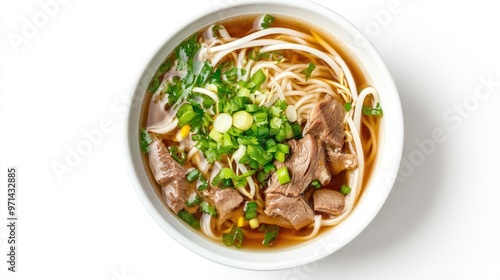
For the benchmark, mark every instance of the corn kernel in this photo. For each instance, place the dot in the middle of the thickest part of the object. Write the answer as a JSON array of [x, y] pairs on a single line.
[[241, 220], [183, 132]]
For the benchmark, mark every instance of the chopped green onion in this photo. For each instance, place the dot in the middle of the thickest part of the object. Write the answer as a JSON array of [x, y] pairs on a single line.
[[242, 120], [345, 189], [250, 210], [270, 234], [270, 142], [215, 30], [194, 199], [208, 209], [227, 183], [145, 140], [348, 106], [275, 111], [251, 108], [243, 92], [258, 78], [193, 175], [284, 148], [283, 175], [223, 122], [268, 168], [275, 126], [260, 118], [288, 130], [178, 154], [267, 21], [245, 175], [189, 219], [308, 71], [376, 112], [262, 176], [279, 156], [297, 130], [234, 237], [257, 153], [226, 173], [316, 184], [203, 183], [214, 134], [187, 114]]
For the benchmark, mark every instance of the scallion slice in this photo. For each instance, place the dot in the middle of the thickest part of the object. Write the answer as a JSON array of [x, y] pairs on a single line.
[[283, 175]]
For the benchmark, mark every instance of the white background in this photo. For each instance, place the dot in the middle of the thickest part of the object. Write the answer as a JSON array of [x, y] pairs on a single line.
[[72, 74]]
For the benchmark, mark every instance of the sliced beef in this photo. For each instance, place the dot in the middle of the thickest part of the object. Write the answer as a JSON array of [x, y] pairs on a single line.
[[170, 175], [225, 201], [294, 209], [328, 201], [176, 192], [305, 164], [326, 123], [276, 220], [338, 162], [163, 166]]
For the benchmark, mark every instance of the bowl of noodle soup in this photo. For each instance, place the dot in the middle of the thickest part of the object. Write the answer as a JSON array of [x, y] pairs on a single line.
[[265, 135]]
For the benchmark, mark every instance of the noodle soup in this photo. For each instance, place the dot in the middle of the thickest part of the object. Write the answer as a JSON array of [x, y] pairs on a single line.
[[260, 132]]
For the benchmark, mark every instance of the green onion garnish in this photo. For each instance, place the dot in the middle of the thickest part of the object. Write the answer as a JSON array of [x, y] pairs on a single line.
[[373, 112], [250, 210], [193, 175], [234, 237], [189, 219], [283, 175], [345, 189]]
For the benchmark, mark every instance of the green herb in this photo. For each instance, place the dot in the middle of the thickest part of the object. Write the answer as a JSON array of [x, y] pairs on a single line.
[[145, 140], [308, 71], [208, 209], [190, 114], [345, 189], [189, 219], [283, 175], [369, 111], [216, 29], [316, 184], [257, 153], [267, 21], [270, 234], [178, 154], [348, 106], [187, 48], [193, 175], [251, 210], [279, 156], [203, 184], [234, 237], [193, 200]]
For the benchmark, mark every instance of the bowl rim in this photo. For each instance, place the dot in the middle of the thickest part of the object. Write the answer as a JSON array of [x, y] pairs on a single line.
[[382, 178]]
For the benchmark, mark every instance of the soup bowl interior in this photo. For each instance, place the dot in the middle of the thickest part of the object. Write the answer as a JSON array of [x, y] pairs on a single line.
[[375, 191]]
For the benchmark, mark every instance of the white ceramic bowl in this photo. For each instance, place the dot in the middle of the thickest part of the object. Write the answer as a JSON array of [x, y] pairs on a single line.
[[376, 192]]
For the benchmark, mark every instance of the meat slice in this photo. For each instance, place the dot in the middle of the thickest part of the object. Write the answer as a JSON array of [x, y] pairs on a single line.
[[175, 193], [294, 209], [338, 162], [326, 123], [170, 175], [275, 220], [328, 201], [163, 166], [305, 164], [225, 201]]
